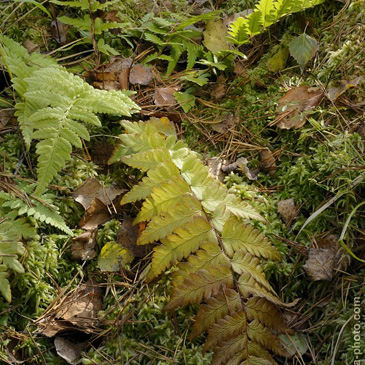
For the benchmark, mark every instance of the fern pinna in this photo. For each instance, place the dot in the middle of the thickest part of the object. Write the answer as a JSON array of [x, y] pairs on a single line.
[[54, 105], [204, 233]]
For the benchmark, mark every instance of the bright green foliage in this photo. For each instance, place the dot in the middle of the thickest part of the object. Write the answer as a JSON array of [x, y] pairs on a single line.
[[266, 13], [54, 106], [205, 234], [25, 204], [10, 248]]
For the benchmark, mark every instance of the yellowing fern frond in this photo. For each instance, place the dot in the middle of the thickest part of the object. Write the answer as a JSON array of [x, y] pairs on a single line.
[[203, 232]]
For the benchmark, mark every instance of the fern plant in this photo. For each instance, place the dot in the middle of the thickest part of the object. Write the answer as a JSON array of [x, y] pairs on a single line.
[[205, 236], [54, 106], [11, 232], [266, 13]]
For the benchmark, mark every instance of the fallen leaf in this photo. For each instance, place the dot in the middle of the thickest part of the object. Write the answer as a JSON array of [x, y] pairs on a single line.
[[59, 31], [278, 61], [140, 74], [30, 46], [225, 123], [220, 89], [77, 310], [114, 257], [82, 246], [294, 344], [292, 105], [320, 264], [215, 36], [335, 92], [288, 210], [267, 161], [164, 96], [241, 164], [96, 214], [92, 189], [7, 117], [128, 235], [303, 48], [69, 351], [215, 167]]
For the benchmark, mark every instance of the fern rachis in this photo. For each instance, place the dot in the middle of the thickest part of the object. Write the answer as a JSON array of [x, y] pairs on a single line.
[[207, 238]]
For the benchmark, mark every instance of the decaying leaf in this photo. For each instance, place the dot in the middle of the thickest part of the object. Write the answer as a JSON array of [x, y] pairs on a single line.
[[225, 123], [82, 246], [78, 310], [336, 92], [128, 235], [241, 164], [294, 344], [220, 88], [320, 264], [114, 257], [292, 105], [215, 165], [267, 161], [288, 210], [70, 351], [303, 48], [215, 36], [30, 46], [278, 61], [140, 74], [7, 117], [59, 31], [324, 261], [96, 214], [92, 189], [164, 96]]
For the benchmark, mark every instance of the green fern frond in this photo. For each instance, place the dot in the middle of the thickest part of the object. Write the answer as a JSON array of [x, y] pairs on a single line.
[[40, 208], [204, 233], [266, 13], [10, 249], [54, 106]]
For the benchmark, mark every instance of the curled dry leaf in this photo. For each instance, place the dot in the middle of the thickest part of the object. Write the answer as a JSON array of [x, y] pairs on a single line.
[[78, 310], [267, 161], [292, 105], [140, 74], [215, 165], [82, 246], [96, 214], [288, 210], [59, 31], [30, 46], [92, 189], [336, 92], [164, 96], [68, 350], [241, 164]]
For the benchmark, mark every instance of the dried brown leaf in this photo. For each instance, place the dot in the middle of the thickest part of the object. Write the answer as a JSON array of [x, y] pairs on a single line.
[[288, 210], [164, 96], [320, 264], [336, 92], [92, 189], [220, 88], [267, 161], [82, 246], [69, 351], [140, 74], [96, 214], [59, 31], [292, 105], [30, 46], [78, 310]]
